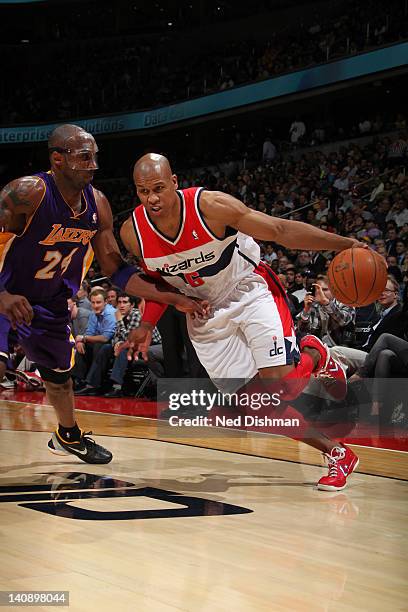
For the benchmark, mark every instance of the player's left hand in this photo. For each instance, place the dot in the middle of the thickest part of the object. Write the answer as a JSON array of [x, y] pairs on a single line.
[[138, 342], [193, 306]]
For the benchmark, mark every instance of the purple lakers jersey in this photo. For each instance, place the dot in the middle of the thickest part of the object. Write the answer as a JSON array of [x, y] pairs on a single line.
[[49, 259]]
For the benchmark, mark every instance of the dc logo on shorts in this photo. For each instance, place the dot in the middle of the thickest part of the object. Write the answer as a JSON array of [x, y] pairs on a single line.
[[276, 350]]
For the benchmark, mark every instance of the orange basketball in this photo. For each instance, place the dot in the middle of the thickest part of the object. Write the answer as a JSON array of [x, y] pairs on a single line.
[[357, 276]]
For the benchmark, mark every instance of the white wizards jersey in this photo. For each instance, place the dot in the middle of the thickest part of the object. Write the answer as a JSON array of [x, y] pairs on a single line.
[[196, 262]]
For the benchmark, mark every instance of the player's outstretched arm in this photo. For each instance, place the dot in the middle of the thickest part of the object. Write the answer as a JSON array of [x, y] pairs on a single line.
[[218, 207], [124, 276], [18, 202]]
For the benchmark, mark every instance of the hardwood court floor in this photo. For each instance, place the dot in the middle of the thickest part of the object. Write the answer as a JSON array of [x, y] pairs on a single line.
[[169, 527]]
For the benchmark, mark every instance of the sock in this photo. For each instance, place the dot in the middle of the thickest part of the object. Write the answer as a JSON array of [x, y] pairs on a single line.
[[290, 386], [69, 434], [294, 382]]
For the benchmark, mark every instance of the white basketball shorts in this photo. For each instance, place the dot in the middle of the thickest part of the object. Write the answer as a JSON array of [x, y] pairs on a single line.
[[250, 330]]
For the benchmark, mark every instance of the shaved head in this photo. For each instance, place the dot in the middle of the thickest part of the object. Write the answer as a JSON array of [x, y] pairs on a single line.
[[152, 164], [66, 135], [156, 186], [73, 155]]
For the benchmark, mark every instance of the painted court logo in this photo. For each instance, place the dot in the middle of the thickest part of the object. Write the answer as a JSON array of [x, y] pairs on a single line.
[[57, 490]]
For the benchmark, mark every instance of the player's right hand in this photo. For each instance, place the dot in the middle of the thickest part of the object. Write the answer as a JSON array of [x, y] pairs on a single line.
[[357, 244], [193, 306], [138, 342], [16, 308]]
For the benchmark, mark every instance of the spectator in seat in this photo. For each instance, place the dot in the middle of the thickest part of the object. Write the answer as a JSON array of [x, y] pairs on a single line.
[[130, 317], [342, 181], [323, 210], [269, 254], [99, 332], [82, 297], [290, 279], [303, 261], [112, 296], [297, 131], [300, 285], [388, 358], [391, 240], [323, 315], [268, 151], [401, 252], [294, 304], [318, 263], [391, 319], [283, 263], [393, 268], [399, 213], [79, 317]]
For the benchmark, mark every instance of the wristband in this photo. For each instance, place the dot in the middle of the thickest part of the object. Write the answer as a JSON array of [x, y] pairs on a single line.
[[121, 277], [152, 312]]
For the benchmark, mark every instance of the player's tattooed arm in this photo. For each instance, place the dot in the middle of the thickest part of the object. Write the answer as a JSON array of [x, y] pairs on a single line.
[[18, 201]]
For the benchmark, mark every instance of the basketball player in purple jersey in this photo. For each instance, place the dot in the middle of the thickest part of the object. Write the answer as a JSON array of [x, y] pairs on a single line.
[[51, 224]]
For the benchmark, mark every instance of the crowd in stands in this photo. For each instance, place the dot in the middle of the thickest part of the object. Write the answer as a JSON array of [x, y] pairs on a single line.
[[125, 73]]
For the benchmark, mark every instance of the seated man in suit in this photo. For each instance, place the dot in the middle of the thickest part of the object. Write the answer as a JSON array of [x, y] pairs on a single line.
[[391, 319]]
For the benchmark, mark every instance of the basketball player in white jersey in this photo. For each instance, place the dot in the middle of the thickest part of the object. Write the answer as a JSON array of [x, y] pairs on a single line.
[[202, 243]]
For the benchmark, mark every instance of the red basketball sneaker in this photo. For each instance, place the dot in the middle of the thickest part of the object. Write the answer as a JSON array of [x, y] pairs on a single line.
[[341, 463], [328, 370]]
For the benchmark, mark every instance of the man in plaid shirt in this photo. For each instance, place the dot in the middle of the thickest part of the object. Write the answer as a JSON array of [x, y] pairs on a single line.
[[130, 319], [130, 316], [323, 315]]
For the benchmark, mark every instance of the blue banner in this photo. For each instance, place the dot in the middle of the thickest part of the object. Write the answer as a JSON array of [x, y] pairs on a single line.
[[302, 80], [19, 1]]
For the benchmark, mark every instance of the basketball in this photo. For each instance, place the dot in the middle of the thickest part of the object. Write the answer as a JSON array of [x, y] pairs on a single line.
[[357, 276]]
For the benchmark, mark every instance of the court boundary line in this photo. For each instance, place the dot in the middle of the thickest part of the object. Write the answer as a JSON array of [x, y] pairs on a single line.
[[220, 450], [132, 416]]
